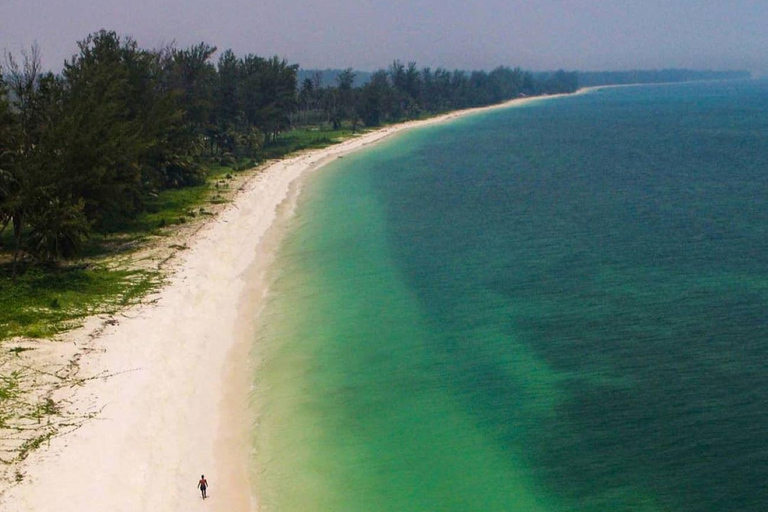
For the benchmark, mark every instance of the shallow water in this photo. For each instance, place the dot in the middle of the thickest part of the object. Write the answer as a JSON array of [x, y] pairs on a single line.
[[554, 307]]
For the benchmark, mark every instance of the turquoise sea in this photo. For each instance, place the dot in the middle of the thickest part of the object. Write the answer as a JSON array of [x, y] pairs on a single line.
[[555, 307]]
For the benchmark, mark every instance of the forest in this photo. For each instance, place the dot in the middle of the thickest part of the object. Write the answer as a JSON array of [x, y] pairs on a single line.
[[84, 151]]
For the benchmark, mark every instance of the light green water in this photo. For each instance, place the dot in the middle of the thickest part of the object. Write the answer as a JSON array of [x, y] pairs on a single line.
[[355, 414]]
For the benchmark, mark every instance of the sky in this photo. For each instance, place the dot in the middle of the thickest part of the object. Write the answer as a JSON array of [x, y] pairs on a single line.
[[369, 34]]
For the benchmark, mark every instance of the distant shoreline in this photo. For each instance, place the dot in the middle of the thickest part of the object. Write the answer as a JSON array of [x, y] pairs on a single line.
[[645, 84]]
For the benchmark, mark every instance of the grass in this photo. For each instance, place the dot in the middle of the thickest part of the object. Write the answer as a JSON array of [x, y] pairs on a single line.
[[46, 301], [170, 207], [9, 385], [9, 390], [304, 138]]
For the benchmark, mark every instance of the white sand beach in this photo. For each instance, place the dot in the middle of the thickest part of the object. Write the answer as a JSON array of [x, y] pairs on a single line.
[[177, 402]]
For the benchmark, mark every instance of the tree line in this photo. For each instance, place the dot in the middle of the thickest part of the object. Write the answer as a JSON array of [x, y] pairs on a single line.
[[405, 91], [85, 149]]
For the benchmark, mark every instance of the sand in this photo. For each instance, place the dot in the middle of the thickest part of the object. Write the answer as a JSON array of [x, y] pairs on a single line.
[[177, 402]]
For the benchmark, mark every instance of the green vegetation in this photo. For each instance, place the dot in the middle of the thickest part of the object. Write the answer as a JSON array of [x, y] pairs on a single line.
[[44, 301], [8, 388], [305, 138], [169, 207]]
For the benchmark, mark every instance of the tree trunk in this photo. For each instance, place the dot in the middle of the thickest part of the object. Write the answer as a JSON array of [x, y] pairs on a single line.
[[17, 237], [5, 225]]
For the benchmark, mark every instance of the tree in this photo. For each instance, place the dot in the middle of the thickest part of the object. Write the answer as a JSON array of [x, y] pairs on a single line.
[[346, 107], [102, 133], [192, 78], [277, 96], [168, 160], [22, 131], [57, 229], [7, 180], [346, 79], [412, 79], [307, 97], [375, 99], [122, 132]]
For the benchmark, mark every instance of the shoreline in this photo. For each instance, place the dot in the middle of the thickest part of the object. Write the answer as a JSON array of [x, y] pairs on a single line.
[[171, 381]]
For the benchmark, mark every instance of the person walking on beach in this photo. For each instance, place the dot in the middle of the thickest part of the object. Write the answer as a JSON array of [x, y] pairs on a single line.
[[202, 485]]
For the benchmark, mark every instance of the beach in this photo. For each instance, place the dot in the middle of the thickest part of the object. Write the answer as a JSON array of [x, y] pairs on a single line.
[[167, 382]]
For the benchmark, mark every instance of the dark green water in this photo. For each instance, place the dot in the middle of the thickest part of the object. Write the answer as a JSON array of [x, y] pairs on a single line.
[[561, 307]]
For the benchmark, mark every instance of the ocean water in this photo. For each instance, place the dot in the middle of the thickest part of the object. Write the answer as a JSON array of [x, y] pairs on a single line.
[[555, 307]]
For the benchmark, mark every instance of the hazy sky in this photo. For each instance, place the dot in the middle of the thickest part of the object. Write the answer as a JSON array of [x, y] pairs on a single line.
[[367, 34]]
